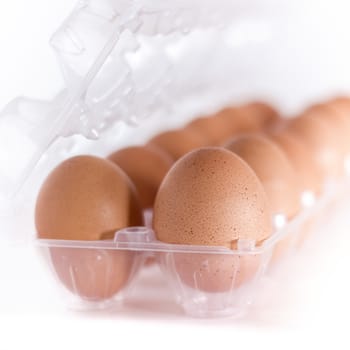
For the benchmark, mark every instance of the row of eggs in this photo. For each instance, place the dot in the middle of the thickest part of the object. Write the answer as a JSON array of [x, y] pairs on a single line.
[[220, 179]]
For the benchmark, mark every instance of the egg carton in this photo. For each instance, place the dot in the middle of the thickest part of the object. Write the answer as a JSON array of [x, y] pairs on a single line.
[[132, 68], [206, 281]]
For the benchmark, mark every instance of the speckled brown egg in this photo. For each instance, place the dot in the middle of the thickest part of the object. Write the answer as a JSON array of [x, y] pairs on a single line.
[[146, 166], [325, 146], [87, 198], [178, 142], [210, 197], [306, 168], [274, 171]]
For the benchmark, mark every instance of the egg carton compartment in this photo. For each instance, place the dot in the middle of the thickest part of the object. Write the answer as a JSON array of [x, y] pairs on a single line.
[[205, 281]]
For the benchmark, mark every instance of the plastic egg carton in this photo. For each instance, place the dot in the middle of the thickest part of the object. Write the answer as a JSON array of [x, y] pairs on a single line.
[[132, 68], [206, 281]]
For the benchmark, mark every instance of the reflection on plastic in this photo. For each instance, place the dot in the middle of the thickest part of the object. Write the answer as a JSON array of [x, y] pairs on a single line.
[[93, 274], [214, 273]]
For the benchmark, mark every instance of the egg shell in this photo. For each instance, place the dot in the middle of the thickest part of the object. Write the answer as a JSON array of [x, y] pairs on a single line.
[[273, 169], [342, 112], [146, 166], [310, 180], [87, 198], [211, 197], [231, 121], [342, 104], [215, 128], [178, 142], [257, 115], [342, 108], [336, 121], [307, 170], [325, 146]]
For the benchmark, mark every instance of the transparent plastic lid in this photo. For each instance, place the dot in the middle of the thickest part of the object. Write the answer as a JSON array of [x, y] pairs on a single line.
[[129, 60]]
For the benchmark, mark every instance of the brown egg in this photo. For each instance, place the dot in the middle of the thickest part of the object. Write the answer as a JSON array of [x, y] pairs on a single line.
[[309, 173], [337, 122], [178, 142], [307, 170], [215, 128], [146, 166], [257, 115], [87, 198], [210, 197], [231, 121], [342, 104], [323, 143], [273, 169], [342, 108], [278, 178]]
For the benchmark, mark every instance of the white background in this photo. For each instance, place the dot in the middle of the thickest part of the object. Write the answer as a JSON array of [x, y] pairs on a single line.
[[309, 302]]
